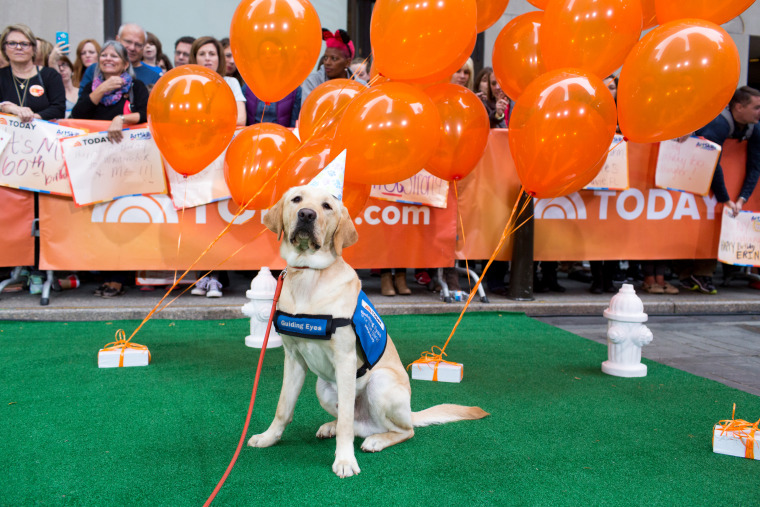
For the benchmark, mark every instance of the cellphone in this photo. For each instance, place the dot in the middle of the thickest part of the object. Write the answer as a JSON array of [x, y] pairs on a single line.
[[62, 37]]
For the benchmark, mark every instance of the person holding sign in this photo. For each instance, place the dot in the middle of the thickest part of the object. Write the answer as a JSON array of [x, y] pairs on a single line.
[[738, 121], [27, 90], [115, 94]]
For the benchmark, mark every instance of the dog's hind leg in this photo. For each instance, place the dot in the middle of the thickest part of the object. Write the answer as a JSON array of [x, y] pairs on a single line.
[[390, 409], [292, 380]]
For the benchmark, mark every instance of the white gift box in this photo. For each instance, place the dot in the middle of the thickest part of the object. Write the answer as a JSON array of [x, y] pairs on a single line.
[[132, 357], [734, 443], [447, 372]]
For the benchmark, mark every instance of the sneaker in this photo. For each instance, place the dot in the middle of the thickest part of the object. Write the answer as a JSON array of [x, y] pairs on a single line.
[[703, 284], [201, 287], [214, 289]]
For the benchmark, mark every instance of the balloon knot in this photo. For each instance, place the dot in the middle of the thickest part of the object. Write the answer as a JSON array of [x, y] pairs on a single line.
[[625, 139], [268, 103]]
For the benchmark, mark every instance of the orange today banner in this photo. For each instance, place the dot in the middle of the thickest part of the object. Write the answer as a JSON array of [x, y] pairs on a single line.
[[16, 216], [640, 223], [146, 232]]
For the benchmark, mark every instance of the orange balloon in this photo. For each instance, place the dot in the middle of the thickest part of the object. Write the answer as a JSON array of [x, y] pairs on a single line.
[[560, 131], [444, 75], [412, 39], [302, 165], [676, 80], [489, 12], [464, 131], [649, 14], [355, 196], [517, 59], [390, 132], [276, 44], [595, 35], [192, 115], [717, 11], [325, 105], [541, 4], [252, 161]]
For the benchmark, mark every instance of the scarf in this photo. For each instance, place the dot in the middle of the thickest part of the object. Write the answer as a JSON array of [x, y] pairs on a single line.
[[115, 96]]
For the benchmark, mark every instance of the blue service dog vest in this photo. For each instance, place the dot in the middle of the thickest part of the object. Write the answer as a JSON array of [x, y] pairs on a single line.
[[371, 334]]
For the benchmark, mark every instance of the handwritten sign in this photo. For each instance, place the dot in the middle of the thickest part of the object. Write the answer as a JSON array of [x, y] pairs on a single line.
[[688, 166], [614, 173], [422, 188], [32, 158], [102, 171], [5, 138], [204, 187], [739, 243]]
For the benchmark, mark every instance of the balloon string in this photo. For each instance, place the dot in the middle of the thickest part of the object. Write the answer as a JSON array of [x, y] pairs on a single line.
[[215, 268], [460, 222], [176, 282], [509, 229], [181, 227]]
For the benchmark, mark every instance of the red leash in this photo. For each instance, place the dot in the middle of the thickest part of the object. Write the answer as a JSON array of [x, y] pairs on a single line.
[[253, 394]]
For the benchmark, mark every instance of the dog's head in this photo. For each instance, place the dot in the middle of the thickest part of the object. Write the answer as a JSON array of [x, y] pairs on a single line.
[[315, 225]]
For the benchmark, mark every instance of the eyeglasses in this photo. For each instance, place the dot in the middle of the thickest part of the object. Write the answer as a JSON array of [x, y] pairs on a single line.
[[14, 44]]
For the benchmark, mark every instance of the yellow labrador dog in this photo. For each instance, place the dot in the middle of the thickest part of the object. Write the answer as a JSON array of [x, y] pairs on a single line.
[[371, 403]]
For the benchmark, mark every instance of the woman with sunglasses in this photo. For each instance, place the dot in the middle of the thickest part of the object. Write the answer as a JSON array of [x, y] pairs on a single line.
[[27, 90]]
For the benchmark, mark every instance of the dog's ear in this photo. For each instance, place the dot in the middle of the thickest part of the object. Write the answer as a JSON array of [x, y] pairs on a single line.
[[345, 234], [273, 219]]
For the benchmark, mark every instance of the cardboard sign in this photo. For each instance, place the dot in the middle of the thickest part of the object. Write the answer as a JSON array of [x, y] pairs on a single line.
[[423, 188], [614, 174], [100, 170], [688, 166], [201, 188], [32, 158], [740, 239]]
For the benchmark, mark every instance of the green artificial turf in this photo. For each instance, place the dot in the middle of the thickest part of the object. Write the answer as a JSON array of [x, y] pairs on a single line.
[[561, 432]]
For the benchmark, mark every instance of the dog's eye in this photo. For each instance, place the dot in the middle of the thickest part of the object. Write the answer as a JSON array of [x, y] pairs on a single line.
[[326, 206], [297, 199]]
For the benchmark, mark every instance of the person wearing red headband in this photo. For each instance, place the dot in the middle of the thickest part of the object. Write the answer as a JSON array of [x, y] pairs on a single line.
[[335, 62]]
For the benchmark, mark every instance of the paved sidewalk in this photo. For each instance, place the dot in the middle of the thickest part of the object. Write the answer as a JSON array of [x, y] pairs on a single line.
[[81, 304], [716, 337]]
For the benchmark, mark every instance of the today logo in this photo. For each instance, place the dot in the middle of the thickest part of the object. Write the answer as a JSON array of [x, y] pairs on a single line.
[[95, 140]]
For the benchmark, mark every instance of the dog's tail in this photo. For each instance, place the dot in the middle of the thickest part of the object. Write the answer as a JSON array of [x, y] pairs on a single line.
[[446, 413]]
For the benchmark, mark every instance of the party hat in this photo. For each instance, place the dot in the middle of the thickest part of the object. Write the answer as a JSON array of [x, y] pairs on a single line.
[[331, 177]]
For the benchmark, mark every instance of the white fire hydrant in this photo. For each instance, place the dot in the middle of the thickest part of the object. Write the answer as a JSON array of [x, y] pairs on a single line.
[[259, 308], [626, 334]]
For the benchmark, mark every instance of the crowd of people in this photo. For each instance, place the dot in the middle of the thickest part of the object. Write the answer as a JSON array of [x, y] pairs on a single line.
[[112, 82]]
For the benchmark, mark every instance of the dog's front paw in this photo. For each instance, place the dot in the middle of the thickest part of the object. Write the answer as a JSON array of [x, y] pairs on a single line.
[[346, 467], [327, 430], [265, 439]]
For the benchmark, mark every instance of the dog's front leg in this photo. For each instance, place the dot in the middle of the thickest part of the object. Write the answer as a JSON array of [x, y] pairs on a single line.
[[294, 373], [345, 464]]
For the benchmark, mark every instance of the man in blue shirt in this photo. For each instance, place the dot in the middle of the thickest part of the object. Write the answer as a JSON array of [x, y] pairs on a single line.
[[132, 37], [738, 121]]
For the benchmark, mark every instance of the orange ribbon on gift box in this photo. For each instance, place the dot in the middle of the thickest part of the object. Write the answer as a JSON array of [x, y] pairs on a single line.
[[123, 344], [430, 356], [744, 430]]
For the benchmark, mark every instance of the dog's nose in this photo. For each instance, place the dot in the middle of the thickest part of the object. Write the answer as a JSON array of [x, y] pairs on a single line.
[[307, 215]]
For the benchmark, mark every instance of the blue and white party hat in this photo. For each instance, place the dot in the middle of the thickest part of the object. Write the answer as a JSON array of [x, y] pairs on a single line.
[[331, 177]]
